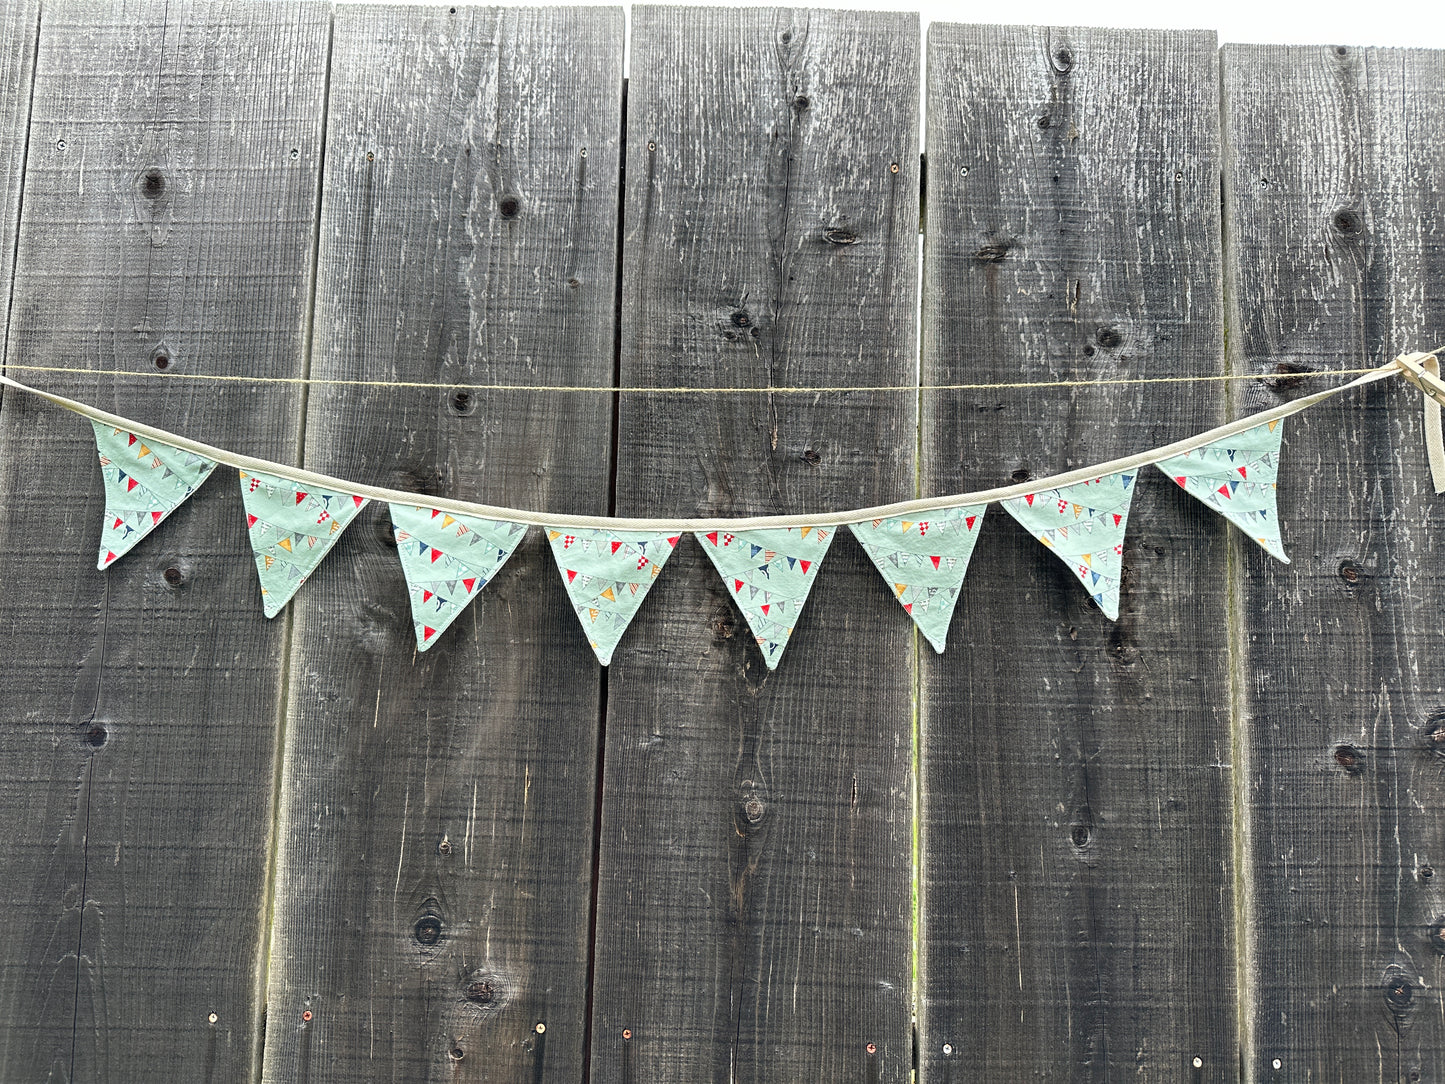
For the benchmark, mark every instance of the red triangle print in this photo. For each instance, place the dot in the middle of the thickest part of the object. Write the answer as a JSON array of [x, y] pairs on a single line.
[[712, 538], [435, 553], [571, 574], [300, 496], [908, 606], [425, 595], [1224, 490], [738, 586], [1179, 481], [359, 501], [109, 557], [156, 516], [969, 521], [250, 520], [427, 633], [470, 584], [766, 607], [130, 438], [935, 561], [116, 525], [804, 565], [673, 540], [616, 546], [1030, 498], [1243, 472], [130, 483], [1117, 519]]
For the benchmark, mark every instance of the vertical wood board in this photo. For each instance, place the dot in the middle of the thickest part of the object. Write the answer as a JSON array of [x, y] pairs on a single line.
[[1076, 882], [753, 917], [436, 832], [168, 213], [1336, 261]]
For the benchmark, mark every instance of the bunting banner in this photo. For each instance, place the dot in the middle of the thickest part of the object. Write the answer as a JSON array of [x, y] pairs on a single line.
[[291, 529], [450, 550], [1084, 525], [769, 574], [923, 561], [143, 485], [446, 560], [607, 575], [1236, 477]]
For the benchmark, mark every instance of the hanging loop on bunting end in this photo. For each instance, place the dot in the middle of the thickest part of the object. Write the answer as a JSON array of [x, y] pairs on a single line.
[[1423, 370]]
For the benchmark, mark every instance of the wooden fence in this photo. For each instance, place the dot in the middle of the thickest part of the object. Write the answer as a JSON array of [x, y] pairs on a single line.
[[1198, 844]]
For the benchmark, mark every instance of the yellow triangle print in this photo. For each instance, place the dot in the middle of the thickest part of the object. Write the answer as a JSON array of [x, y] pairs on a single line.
[[609, 596], [899, 588], [285, 544]]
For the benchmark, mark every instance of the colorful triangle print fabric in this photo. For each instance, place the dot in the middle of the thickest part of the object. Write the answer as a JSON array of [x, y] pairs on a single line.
[[607, 575], [291, 530], [1084, 524], [447, 559], [145, 481], [769, 574], [1236, 477], [924, 561]]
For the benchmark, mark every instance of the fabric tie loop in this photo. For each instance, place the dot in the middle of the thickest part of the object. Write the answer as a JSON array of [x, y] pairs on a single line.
[[1423, 370]]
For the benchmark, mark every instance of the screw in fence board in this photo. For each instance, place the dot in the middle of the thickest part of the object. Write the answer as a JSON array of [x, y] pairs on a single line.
[[1076, 783], [753, 908], [159, 207], [1333, 192], [435, 860]]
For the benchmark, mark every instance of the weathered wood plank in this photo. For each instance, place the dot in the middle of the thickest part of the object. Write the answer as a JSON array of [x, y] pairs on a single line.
[[1333, 192], [19, 29], [1075, 779], [436, 832], [169, 210], [753, 911]]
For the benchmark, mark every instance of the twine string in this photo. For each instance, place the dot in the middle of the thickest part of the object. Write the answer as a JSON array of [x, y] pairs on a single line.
[[1412, 366]]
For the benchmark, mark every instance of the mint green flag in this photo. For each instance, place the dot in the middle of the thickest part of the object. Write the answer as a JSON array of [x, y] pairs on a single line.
[[447, 560], [607, 575], [1084, 525], [1235, 476], [291, 530], [769, 573], [145, 481], [923, 560]]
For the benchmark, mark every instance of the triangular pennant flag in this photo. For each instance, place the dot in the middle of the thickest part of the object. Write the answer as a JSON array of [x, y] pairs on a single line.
[[424, 543], [1095, 554], [787, 583], [947, 533], [1235, 476], [593, 563], [141, 488], [278, 511]]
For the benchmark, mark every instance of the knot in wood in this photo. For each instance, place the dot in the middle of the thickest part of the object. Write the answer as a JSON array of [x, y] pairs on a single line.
[[152, 184], [428, 930], [839, 235], [1398, 990], [1350, 759]]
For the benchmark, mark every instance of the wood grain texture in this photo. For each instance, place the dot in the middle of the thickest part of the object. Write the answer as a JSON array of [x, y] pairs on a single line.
[[169, 208], [19, 30], [753, 909], [1076, 800], [435, 864], [1336, 218]]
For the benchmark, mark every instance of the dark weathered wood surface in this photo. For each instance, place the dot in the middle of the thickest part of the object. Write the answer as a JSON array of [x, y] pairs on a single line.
[[168, 210], [1334, 194], [19, 27], [1076, 879], [753, 909], [434, 872]]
